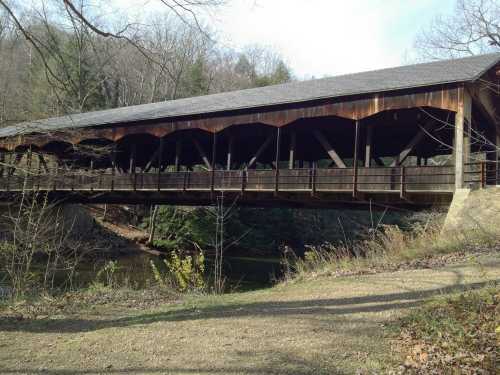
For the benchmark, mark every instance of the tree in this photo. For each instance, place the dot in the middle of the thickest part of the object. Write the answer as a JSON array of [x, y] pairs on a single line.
[[87, 25], [473, 28]]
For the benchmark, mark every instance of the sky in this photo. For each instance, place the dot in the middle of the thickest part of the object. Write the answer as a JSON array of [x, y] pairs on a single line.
[[320, 38]]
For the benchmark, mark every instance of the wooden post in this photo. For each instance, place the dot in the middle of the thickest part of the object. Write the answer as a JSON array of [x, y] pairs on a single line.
[[160, 163], [368, 145], [313, 180], [91, 174], [214, 159], [483, 174], [28, 168], [355, 161], [293, 144], [9, 169], [184, 180], [243, 180], [462, 142], [497, 156], [113, 166], [229, 152], [2, 164], [277, 170], [402, 182]]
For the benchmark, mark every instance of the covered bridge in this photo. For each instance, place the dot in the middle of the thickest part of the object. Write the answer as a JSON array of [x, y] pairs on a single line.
[[409, 135]]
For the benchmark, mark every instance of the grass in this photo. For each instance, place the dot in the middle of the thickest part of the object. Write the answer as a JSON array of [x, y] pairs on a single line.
[[388, 248], [321, 326], [457, 334]]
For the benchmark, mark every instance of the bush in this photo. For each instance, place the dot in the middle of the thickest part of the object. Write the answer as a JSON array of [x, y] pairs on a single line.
[[182, 273]]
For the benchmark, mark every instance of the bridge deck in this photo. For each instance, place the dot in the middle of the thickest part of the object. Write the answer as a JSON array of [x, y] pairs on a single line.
[[425, 184]]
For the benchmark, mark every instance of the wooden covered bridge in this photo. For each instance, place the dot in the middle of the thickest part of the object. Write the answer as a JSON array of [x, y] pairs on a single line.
[[409, 136]]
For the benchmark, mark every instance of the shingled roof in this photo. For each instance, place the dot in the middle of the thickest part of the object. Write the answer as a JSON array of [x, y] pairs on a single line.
[[392, 79]]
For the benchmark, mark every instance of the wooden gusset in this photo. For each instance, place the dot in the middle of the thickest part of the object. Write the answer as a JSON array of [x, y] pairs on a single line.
[[329, 149], [261, 149], [411, 145], [202, 153]]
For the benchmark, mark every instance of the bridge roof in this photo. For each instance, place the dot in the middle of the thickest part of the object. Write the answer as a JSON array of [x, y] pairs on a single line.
[[405, 77]]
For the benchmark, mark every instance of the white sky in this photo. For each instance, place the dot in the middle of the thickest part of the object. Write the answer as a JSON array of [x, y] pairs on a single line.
[[326, 37]]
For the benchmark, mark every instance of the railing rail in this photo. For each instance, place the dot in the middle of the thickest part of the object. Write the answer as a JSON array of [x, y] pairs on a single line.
[[376, 179], [403, 180]]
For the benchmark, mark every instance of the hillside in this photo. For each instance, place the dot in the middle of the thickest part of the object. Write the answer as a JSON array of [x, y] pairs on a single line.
[[322, 326]]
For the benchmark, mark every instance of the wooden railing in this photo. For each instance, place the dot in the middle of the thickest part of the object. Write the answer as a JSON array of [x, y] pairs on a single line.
[[378, 179]]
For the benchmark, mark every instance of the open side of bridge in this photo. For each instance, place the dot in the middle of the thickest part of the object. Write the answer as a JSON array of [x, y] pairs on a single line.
[[407, 136]]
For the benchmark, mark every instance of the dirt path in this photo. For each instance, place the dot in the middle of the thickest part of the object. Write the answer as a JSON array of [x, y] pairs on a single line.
[[326, 326]]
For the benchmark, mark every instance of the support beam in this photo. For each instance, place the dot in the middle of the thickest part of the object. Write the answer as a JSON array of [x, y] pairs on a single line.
[[153, 159], [277, 160], [329, 149], [202, 153], [355, 161], [43, 163], [368, 145], [411, 145], [229, 152], [293, 144], [462, 141], [214, 161], [261, 149]]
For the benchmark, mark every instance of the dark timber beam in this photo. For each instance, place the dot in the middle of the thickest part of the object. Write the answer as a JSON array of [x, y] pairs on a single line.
[[329, 149], [202, 153], [411, 145], [261, 149], [368, 145]]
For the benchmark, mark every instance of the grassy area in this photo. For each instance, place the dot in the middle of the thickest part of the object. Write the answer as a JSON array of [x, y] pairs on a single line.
[[322, 326], [458, 334], [389, 248]]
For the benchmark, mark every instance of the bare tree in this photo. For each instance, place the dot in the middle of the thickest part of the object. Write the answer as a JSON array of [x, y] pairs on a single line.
[[473, 28]]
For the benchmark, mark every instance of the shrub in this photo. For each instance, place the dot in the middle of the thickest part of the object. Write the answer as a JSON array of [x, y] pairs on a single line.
[[182, 272]]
